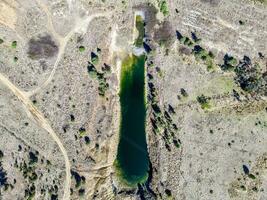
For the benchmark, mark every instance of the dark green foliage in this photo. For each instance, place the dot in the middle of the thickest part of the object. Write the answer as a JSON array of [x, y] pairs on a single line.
[[252, 176], [176, 143], [206, 56], [243, 187], [195, 38], [15, 59], [72, 118], [91, 70], [81, 48], [229, 63], [33, 176], [14, 44], [162, 122], [1, 41], [1, 154], [32, 158], [183, 92], [103, 85], [82, 131], [81, 192], [186, 41], [94, 58], [168, 192], [248, 76], [163, 7], [106, 68], [3, 178], [87, 140], [93, 73], [147, 47], [245, 169], [78, 179], [179, 35], [30, 192], [197, 50], [241, 22], [54, 197], [203, 101]]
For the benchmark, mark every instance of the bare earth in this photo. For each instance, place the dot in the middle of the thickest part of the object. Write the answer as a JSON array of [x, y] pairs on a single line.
[[59, 134]]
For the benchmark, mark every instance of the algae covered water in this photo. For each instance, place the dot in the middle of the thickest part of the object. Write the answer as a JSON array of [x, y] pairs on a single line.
[[132, 159]]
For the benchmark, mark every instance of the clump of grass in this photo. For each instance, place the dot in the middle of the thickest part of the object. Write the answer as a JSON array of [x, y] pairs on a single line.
[[1, 41]]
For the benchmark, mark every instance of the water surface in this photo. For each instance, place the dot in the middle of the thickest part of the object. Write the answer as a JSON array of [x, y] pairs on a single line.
[[132, 159]]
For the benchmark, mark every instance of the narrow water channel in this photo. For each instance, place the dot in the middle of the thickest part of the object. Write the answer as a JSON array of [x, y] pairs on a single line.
[[132, 158]]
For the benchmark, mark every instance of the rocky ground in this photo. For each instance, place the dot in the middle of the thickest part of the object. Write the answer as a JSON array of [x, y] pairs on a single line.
[[206, 88]]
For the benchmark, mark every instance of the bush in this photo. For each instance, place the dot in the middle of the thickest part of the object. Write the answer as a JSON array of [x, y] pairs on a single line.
[[195, 38], [1, 154], [94, 58], [14, 44], [87, 140], [32, 158], [183, 92], [91, 70], [82, 131], [203, 101], [164, 7], [229, 63], [248, 76]]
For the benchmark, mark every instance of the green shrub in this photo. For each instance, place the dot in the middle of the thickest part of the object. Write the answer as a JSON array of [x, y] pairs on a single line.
[[14, 44], [91, 70], [163, 7], [94, 58], [81, 48], [203, 101]]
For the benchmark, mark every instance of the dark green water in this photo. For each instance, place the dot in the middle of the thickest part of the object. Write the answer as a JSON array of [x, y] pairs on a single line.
[[132, 157]]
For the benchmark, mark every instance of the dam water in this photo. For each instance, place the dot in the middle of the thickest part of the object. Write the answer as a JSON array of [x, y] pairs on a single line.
[[132, 158]]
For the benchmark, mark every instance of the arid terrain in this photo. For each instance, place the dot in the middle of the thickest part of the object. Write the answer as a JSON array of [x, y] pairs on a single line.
[[206, 98]]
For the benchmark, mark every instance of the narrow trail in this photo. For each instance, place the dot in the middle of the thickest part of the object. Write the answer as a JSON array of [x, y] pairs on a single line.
[[42, 122], [80, 24]]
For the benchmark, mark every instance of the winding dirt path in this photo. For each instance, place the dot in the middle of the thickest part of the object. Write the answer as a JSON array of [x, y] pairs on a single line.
[[42, 122], [81, 25]]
